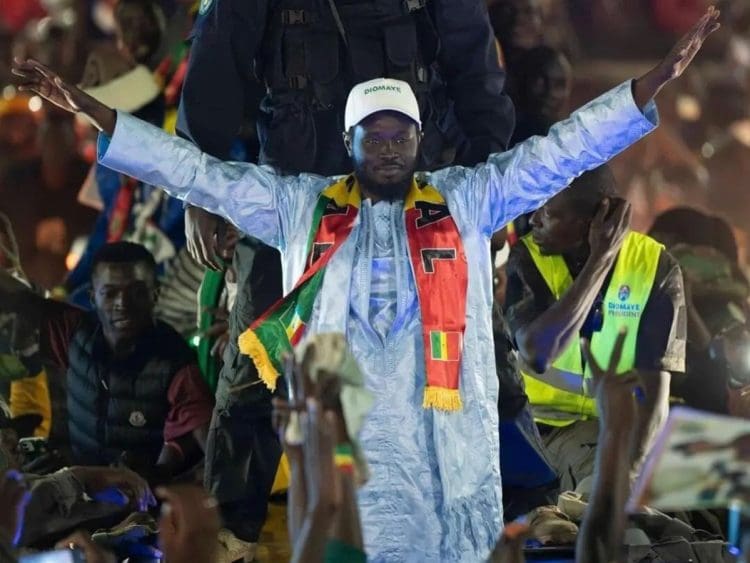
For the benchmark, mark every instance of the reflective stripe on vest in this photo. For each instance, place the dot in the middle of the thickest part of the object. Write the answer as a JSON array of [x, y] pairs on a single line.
[[563, 394]]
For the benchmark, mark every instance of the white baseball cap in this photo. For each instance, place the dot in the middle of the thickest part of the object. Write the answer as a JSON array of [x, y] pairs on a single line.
[[381, 94]]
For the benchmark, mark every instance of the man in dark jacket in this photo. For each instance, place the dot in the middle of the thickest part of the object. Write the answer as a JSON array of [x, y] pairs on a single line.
[[135, 394]]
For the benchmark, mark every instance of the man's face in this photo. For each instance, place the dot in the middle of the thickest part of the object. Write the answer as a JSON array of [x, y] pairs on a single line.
[[384, 149], [550, 90], [557, 229], [124, 295]]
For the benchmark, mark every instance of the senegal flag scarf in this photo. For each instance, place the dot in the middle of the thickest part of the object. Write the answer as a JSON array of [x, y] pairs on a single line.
[[440, 270]]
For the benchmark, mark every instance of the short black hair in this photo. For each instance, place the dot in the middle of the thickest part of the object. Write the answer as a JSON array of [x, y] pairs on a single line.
[[143, 36], [691, 226], [123, 253], [588, 190]]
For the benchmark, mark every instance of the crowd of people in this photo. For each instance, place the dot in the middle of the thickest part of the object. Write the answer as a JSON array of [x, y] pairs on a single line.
[[363, 257]]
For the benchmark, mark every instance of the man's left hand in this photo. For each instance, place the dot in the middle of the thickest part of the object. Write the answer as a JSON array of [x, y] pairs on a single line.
[[678, 59]]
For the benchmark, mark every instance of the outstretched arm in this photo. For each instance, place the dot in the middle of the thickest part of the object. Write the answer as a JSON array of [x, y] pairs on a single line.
[[254, 198], [522, 179]]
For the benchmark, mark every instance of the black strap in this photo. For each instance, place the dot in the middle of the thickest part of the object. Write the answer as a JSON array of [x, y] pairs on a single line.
[[339, 23]]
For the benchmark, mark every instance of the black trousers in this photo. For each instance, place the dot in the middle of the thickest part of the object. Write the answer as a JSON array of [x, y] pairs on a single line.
[[243, 451], [242, 455]]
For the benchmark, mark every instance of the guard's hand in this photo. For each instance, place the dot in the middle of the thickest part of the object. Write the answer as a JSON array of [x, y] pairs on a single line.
[[609, 227], [218, 331], [201, 228]]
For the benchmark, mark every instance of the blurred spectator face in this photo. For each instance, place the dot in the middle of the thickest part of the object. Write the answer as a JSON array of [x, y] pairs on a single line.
[[51, 236], [557, 228], [124, 296], [18, 136], [527, 31], [549, 90], [49, 43], [138, 28], [518, 24]]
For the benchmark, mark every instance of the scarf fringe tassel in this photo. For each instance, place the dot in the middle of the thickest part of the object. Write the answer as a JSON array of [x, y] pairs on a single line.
[[250, 345], [442, 399]]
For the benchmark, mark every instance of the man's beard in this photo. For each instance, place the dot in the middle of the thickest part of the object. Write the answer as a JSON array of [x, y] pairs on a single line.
[[389, 191]]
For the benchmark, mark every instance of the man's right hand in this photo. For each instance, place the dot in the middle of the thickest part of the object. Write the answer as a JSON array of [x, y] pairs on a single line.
[[37, 78], [200, 231], [609, 227]]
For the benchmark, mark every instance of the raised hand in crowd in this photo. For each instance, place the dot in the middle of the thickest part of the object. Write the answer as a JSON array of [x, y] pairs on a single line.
[[618, 398], [323, 514], [189, 525], [101, 482], [14, 497], [82, 542]]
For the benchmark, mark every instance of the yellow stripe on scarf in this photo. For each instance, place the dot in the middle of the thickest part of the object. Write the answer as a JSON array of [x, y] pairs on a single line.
[[344, 192], [250, 345], [425, 193], [442, 399]]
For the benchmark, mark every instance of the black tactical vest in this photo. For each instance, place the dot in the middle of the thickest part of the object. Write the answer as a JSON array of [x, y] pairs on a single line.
[[118, 406], [324, 47]]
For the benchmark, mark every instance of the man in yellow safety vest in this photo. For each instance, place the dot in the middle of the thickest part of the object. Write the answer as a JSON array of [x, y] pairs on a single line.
[[582, 273]]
